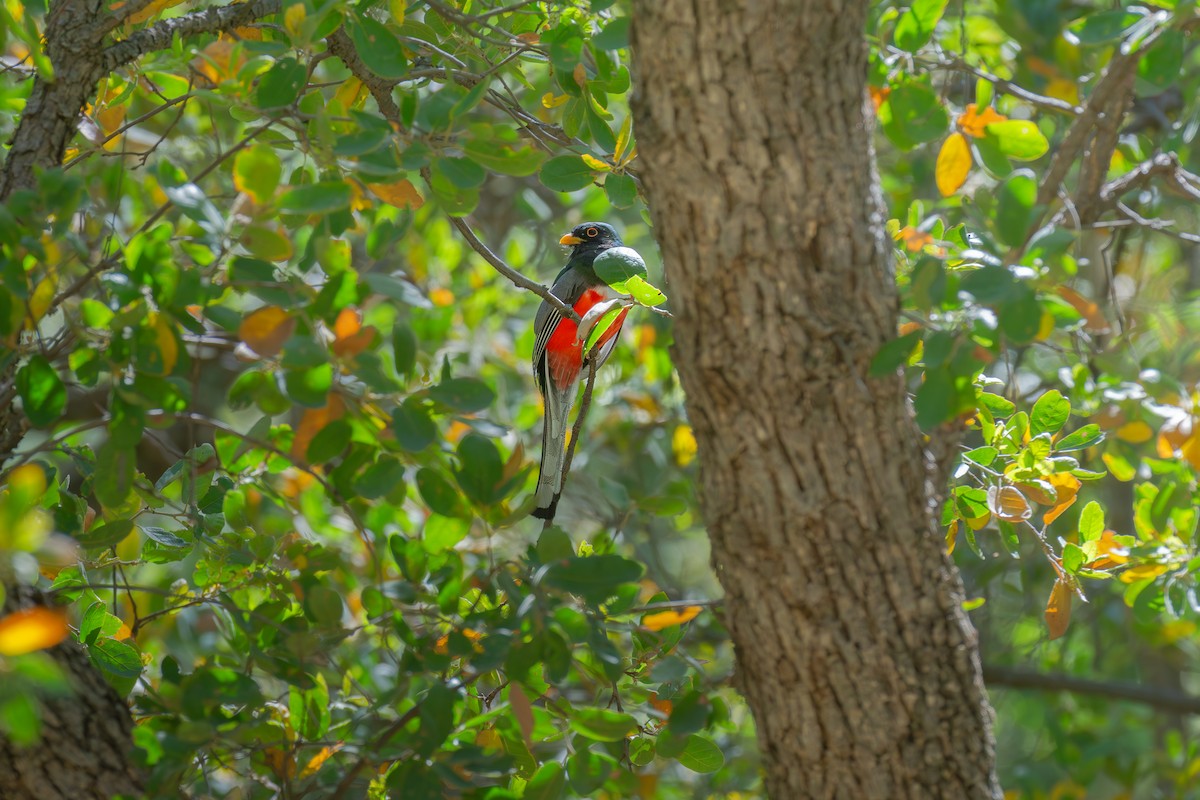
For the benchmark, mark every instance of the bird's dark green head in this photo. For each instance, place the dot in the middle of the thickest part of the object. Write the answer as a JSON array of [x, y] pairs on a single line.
[[590, 238]]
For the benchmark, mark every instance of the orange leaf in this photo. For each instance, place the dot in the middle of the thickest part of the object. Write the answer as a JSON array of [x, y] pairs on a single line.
[[1058, 609], [441, 297], [914, 240], [1007, 503], [953, 164], [314, 763], [152, 10], [974, 123], [1087, 309], [401, 194], [522, 709], [1066, 487], [878, 95], [216, 61], [665, 619], [266, 329], [1109, 553], [31, 629], [313, 421]]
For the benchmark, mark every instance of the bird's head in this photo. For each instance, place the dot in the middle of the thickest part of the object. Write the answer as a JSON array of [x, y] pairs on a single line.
[[591, 237]]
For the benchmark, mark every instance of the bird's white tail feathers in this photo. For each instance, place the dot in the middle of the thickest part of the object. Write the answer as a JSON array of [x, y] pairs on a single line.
[[554, 441]]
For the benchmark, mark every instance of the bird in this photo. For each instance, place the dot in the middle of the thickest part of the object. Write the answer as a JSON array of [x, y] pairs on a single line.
[[558, 348]]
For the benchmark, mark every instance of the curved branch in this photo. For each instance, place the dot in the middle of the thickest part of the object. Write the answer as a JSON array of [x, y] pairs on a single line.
[[211, 20]]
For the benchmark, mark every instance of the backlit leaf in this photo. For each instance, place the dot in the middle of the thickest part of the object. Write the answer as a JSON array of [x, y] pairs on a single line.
[[265, 330], [32, 629], [953, 164], [665, 619], [1058, 608]]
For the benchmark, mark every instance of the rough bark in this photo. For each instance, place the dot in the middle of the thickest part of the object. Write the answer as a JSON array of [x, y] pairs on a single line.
[[853, 651], [86, 751]]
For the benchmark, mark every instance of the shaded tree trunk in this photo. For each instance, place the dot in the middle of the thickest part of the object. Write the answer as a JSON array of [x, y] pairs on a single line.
[[853, 651], [85, 752]]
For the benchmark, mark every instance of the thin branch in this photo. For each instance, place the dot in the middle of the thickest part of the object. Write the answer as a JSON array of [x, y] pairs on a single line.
[[160, 35], [1009, 88], [1156, 697]]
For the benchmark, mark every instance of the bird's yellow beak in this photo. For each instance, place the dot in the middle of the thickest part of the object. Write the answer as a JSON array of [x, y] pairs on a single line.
[[570, 239]]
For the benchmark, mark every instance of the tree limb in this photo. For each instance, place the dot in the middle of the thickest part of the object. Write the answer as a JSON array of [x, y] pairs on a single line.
[[1153, 696], [211, 20]]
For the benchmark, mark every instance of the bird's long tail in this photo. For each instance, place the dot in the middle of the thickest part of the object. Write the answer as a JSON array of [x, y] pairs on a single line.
[[554, 441]]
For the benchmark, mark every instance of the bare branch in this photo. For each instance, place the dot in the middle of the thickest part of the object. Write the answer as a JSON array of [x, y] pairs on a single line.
[[1012, 89], [159, 35], [1159, 698]]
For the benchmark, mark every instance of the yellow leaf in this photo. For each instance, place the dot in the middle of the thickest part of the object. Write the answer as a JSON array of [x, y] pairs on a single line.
[[314, 763], [665, 619], [551, 100], [152, 10], [266, 329], [980, 522], [293, 18], [1007, 503], [623, 138], [441, 297], [27, 482], [311, 423], [488, 739], [683, 445], [1109, 553], [951, 537], [1191, 451], [31, 629], [953, 164], [1063, 89], [1142, 572], [397, 7], [216, 62], [974, 123], [401, 194], [1058, 609], [1045, 327], [164, 339], [1066, 488], [596, 164], [39, 301], [351, 93], [580, 74], [1135, 432]]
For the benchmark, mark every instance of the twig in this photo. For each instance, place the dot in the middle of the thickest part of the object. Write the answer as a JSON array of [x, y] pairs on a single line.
[[1010, 88], [583, 412], [1156, 697]]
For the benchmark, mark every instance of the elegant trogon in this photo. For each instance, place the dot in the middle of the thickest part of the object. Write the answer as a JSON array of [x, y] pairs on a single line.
[[558, 349]]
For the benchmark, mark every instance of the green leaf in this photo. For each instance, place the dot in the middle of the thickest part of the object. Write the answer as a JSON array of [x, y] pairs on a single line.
[[1081, 439], [588, 771], [701, 754], [318, 198], [1091, 522], [565, 174], [105, 535], [380, 479], [442, 533], [621, 190], [1049, 413], [602, 326], [602, 724], [463, 394], [1018, 138], [281, 85], [412, 426], [43, 394], [164, 537], [894, 354], [549, 783], [1073, 557], [329, 443], [913, 115], [378, 47], [256, 171], [438, 494], [997, 405], [917, 24], [404, 348], [310, 387], [462, 172], [618, 264], [482, 470], [615, 35], [554, 544], [983, 456], [116, 658], [642, 291], [593, 578], [115, 471], [1015, 200]]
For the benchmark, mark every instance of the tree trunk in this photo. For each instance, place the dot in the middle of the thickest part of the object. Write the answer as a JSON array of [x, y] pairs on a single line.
[[853, 651], [85, 751]]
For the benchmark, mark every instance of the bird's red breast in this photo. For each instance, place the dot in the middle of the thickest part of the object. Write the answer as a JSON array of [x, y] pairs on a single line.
[[564, 353]]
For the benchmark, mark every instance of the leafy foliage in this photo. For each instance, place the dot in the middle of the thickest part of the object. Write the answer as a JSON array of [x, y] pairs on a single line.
[[279, 405]]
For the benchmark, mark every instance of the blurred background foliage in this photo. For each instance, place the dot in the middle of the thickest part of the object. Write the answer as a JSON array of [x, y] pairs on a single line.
[[282, 435]]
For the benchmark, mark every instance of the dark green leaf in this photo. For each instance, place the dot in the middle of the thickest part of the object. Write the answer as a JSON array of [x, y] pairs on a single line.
[[593, 577], [438, 493], [463, 394], [378, 47], [281, 85], [43, 394], [565, 174]]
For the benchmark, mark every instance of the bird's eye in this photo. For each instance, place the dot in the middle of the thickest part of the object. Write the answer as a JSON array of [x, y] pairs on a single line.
[[592, 233]]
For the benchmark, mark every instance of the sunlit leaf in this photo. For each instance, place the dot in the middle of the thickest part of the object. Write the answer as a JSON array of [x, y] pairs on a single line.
[[953, 164], [31, 629], [1058, 608]]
